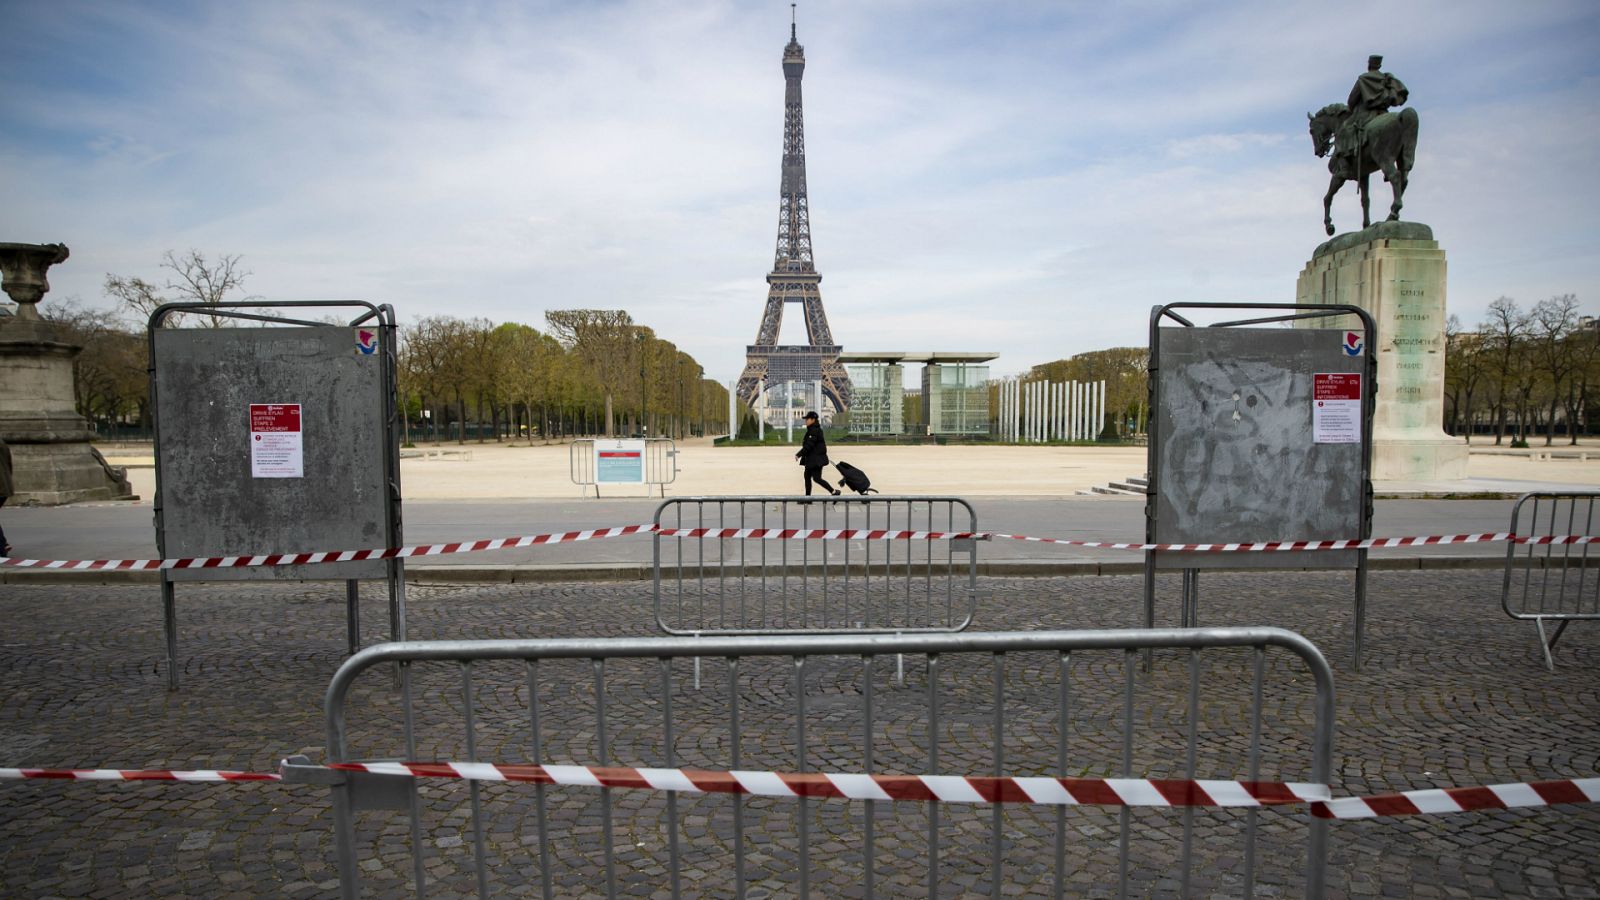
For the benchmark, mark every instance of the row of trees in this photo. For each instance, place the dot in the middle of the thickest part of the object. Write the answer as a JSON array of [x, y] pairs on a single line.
[[1520, 374], [593, 372], [597, 372], [1523, 372]]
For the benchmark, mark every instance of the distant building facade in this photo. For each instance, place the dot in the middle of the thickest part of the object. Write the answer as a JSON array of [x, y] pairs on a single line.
[[955, 392]]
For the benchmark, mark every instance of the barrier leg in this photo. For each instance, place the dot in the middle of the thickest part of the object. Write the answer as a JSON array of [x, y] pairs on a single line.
[[397, 622], [1559, 629], [413, 802], [1547, 645], [344, 834], [1183, 599], [169, 621], [1149, 602], [397, 602], [381, 793], [1361, 608], [1190, 614], [352, 603]]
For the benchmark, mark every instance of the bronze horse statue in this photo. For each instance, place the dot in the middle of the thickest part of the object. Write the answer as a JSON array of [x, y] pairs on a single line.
[[1388, 145]]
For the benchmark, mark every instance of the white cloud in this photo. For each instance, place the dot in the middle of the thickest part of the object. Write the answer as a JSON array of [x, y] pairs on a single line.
[[1028, 178]]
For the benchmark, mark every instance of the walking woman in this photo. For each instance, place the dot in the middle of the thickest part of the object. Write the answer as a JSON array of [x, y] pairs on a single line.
[[814, 455]]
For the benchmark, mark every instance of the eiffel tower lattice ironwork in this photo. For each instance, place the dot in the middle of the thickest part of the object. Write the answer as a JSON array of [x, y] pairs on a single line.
[[794, 277]]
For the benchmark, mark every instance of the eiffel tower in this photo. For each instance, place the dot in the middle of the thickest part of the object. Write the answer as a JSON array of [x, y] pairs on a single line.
[[794, 277]]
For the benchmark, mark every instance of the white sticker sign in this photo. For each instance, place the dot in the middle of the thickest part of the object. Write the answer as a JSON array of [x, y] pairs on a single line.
[[1336, 408], [276, 450], [619, 462]]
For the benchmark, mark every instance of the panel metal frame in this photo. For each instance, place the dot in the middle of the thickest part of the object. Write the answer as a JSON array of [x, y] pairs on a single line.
[[474, 691], [1552, 583], [741, 586], [275, 313], [1191, 562]]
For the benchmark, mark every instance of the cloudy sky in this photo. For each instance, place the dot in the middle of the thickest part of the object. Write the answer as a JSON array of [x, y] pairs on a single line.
[[1020, 177]]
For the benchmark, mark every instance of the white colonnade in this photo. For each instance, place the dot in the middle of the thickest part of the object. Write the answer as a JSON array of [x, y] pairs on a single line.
[[1040, 411]]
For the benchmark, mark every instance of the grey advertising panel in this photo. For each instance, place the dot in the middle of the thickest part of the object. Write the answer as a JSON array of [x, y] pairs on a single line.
[[1244, 452], [276, 438], [219, 494], [1259, 433]]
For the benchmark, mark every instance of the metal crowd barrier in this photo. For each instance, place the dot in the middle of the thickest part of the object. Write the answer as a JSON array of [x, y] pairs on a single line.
[[660, 464], [759, 585], [1225, 705], [1558, 583]]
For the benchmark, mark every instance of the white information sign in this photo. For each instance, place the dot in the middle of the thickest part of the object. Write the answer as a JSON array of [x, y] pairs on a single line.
[[619, 462], [1336, 408], [276, 450]]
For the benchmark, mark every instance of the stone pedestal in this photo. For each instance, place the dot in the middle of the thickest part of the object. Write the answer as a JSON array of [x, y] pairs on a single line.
[[51, 458], [1396, 272]]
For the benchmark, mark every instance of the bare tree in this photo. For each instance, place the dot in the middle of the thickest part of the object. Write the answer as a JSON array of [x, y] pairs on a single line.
[[424, 358], [1465, 370], [1551, 323], [140, 297], [1585, 343], [193, 279], [480, 368], [110, 374], [1503, 333], [199, 281], [457, 371]]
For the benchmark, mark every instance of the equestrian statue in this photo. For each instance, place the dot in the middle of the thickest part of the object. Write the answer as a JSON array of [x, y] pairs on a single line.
[[1365, 137]]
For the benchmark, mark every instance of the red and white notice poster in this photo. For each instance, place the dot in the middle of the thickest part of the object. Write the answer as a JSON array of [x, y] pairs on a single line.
[[275, 447], [1336, 408]]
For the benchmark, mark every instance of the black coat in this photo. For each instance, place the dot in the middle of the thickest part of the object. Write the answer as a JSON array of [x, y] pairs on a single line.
[[814, 450]]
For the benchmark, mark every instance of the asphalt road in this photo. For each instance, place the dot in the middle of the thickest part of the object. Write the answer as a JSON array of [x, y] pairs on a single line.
[[126, 531]]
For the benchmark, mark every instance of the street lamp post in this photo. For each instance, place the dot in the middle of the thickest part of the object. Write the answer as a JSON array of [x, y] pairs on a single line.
[[644, 394]]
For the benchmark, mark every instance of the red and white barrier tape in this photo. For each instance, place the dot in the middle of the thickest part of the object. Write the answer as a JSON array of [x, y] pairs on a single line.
[[770, 534], [1278, 546], [837, 786], [137, 775], [1040, 791], [819, 534], [1555, 539], [329, 556], [1467, 799]]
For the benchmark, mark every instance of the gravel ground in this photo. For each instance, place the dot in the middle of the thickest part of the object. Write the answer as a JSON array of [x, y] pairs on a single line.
[[1452, 693]]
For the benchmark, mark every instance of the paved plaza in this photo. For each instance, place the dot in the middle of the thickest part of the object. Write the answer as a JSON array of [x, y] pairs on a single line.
[[1452, 693], [472, 470]]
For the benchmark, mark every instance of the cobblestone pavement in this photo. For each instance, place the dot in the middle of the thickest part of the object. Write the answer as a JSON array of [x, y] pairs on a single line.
[[1452, 693]]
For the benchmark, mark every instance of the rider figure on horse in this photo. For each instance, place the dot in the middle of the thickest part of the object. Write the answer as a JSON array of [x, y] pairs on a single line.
[[1374, 92]]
